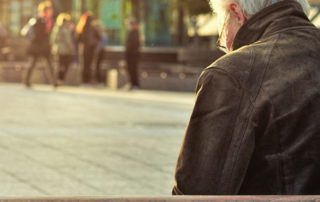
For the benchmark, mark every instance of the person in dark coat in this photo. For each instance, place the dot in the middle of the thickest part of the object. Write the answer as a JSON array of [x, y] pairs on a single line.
[[255, 126], [100, 52], [40, 44], [4, 50], [63, 45], [132, 53], [89, 36]]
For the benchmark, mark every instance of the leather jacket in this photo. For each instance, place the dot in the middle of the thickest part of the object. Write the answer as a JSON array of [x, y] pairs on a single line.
[[255, 126]]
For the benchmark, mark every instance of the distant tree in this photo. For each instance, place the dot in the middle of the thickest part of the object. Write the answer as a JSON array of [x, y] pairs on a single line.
[[195, 7]]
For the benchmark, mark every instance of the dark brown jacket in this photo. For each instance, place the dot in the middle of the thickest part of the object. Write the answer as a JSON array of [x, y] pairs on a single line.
[[255, 126], [132, 43], [40, 43]]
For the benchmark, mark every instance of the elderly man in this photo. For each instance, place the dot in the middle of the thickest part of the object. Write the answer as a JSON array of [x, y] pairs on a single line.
[[255, 127]]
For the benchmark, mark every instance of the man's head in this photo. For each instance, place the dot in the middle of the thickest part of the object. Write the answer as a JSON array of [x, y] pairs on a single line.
[[232, 14]]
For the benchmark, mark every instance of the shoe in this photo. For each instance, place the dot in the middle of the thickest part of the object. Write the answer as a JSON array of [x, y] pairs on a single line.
[[60, 82], [135, 88], [87, 85], [127, 87], [27, 84]]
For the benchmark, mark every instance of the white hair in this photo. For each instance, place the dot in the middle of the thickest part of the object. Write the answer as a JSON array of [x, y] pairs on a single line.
[[251, 7]]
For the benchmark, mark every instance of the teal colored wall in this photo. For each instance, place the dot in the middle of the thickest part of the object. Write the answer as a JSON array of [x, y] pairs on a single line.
[[111, 18], [157, 22], [110, 13], [156, 19]]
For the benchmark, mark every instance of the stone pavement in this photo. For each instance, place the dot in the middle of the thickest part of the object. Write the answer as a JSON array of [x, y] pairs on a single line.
[[88, 141]]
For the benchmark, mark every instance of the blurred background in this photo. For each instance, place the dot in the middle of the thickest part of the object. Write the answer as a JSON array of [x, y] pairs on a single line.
[[178, 36]]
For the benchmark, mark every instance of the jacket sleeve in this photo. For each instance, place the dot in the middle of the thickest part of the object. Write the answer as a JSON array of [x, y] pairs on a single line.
[[214, 155]]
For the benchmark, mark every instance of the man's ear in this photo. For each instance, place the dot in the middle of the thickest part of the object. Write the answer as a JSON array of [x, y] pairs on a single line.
[[237, 12]]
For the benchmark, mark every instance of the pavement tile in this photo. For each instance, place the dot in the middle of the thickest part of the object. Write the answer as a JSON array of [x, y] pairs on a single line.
[[88, 142]]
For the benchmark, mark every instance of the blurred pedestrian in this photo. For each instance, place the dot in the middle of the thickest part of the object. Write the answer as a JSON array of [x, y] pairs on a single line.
[[74, 39], [3, 42], [38, 33], [89, 37], [63, 45], [100, 51], [132, 53]]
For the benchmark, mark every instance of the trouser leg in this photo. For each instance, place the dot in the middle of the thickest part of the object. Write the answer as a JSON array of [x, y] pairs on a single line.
[[88, 58], [132, 65], [60, 68], [67, 63], [51, 69], [34, 60], [135, 74], [64, 63], [98, 65]]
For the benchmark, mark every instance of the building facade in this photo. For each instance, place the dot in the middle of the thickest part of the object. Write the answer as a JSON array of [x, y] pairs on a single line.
[[160, 20]]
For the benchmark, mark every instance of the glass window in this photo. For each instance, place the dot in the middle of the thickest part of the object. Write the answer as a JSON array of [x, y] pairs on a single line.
[[14, 21], [111, 18], [158, 23]]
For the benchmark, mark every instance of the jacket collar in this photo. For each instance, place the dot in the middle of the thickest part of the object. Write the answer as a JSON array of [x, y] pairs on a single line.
[[274, 18]]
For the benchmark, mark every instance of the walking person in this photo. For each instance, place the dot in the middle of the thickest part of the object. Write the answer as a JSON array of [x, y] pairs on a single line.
[[132, 53], [4, 51], [89, 37], [100, 52], [39, 47], [63, 45]]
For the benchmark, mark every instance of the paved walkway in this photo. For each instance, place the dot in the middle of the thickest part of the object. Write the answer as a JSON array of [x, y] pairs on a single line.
[[89, 142]]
